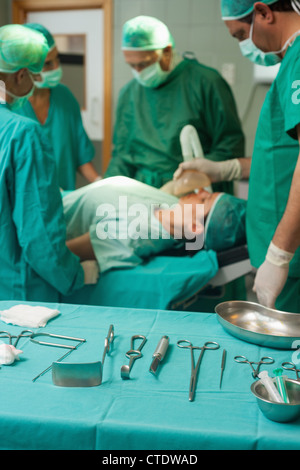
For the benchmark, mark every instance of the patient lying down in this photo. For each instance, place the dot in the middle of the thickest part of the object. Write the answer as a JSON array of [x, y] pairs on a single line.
[[120, 222]]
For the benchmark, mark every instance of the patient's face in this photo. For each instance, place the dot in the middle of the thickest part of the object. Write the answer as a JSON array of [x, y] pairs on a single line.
[[202, 197], [186, 223]]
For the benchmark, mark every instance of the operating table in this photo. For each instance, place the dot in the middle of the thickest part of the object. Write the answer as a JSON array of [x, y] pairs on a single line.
[[166, 282]]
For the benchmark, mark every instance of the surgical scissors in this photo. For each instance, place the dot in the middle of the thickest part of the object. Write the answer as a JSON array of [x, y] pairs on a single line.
[[184, 343], [292, 368], [23, 334], [263, 360]]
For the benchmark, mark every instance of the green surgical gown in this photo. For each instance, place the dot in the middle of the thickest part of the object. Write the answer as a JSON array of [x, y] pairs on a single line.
[[123, 209], [64, 129], [35, 263], [274, 159], [149, 122]]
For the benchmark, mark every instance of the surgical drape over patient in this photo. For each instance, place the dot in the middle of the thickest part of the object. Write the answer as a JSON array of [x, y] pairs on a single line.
[[21, 47], [119, 215], [145, 33], [236, 9]]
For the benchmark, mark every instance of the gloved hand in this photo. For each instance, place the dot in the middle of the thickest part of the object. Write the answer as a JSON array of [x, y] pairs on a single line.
[[272, 275], [91, 271], [228, 170]]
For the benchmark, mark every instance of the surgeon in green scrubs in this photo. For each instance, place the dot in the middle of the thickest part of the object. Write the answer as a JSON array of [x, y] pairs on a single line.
[[55, 107], [269, 33], [167, 93], [34, 260]]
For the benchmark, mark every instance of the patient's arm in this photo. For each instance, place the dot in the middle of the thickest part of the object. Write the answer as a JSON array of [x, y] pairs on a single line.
[[82, 247], [89, 172]]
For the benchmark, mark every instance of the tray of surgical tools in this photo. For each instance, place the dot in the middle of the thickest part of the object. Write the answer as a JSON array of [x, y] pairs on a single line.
[[90, 374]]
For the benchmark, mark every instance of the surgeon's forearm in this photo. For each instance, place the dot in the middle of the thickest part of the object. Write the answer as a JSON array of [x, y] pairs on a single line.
[[89, 172], [82, 247], [287, 235], [245, 167]]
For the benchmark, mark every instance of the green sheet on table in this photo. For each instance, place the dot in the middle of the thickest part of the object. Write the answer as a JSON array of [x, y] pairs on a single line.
[[145, 412], [158, 283]]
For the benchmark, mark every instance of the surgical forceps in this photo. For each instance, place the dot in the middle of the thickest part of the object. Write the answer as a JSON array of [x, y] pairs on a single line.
[[263, 360], [32, 336], [291, 367], [184, 343], [23, 334]]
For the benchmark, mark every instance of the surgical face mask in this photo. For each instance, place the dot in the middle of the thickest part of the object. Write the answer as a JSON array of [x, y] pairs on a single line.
[[251, 52], [256, 55], [50, 79], [152, 76], [19, 101]]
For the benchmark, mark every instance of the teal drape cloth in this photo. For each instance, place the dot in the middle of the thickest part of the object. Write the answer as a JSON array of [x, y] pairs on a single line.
[[145, 412], [158, 283]]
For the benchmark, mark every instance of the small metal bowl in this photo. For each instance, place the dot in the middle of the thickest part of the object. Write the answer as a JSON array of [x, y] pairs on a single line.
[[279, 412]]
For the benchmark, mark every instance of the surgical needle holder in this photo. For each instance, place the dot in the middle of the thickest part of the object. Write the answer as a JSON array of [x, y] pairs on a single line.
[[132, 355], [23, 334], [210, 345], [263, 361], [291, 366]]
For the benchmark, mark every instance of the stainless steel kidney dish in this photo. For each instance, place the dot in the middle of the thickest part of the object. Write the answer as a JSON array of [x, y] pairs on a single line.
[[260, 325]]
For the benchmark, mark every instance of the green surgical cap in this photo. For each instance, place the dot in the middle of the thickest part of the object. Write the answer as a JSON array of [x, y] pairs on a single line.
[[237, 9], [226, 223], [145, 33], [21, 48], [41, 29]]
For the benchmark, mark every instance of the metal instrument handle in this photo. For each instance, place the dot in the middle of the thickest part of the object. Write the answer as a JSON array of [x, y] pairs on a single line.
[[57, 345], [108, 341], [162, 347], [209, 343], [266, 360], [133, 339], [132, 355], [241, 360], [291, 364]]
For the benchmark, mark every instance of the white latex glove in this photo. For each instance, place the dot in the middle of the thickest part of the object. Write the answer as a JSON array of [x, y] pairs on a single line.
[[272, 275], [91, 271], [228, 170]]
